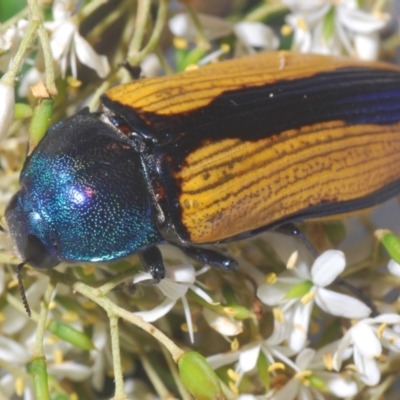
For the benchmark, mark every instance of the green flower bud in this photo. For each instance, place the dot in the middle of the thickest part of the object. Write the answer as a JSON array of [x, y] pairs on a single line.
[[40, 121], [71, 335], [391, 242], [199, 378], [22, 111], [299, 290], [37, 368]]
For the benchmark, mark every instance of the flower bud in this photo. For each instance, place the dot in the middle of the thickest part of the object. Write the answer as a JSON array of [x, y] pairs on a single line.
[[199, 378], [71, 335]]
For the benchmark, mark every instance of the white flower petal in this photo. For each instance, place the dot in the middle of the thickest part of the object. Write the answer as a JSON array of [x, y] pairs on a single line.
[[248, 357], [188, 318], [7, 103], [367, 46], [365, 340], [172, 289], [61, 39], [223, 324], [256, 34], [74, 371], [301, 321], [142, 276], [340, 304], [89, 57], [272, 295], [289, 391], [157, 312], [394, 268], [327, 267], [181, 25], [367, 368], [304, 358], [360, 21], [201, 293], [11, 351], [339, 385], [183, 273], [388, 318], [219, 360], [340, 354]]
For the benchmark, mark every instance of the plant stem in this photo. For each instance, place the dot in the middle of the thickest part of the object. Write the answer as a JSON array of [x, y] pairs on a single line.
[[112, 283], [262, 13], [45, 43], [10, 76], [42, 322], [116, 356], [136, 58], [184, 394], [113, 309], [201, 36], [143, 12], [158, 384]]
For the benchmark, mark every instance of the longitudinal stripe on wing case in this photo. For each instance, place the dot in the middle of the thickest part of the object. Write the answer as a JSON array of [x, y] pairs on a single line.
[[277, 177], [251, 143], [191, 90]]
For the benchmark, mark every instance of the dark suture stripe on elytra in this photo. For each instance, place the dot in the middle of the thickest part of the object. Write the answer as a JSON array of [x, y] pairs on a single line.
[[282, 199], [261, 165], [192, 79], [208, 80], [343, 77], [329, 81]]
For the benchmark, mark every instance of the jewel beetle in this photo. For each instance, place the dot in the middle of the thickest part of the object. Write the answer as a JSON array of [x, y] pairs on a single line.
[[210, 155]]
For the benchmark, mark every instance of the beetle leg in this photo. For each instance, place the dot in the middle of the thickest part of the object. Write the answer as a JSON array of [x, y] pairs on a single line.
[[152, 260], [291, 229], [211, 257]]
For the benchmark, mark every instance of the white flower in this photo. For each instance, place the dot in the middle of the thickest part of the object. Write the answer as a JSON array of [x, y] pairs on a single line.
[[311, 377], [223, 324], [9, 42], [246, 358], [296, 290], [179, 279], [366, 339], [68, 45], [250, 35], [7, 103], [17, 355], [323, 26]]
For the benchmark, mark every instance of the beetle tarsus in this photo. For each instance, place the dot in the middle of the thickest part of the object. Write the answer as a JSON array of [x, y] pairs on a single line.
[[152, 260], [211, 257]]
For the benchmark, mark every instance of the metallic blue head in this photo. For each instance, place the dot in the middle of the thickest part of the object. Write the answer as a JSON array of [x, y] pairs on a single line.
[[83, 197]]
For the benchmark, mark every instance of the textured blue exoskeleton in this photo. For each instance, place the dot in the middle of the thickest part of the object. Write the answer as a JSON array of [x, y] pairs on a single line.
[[83, 197]]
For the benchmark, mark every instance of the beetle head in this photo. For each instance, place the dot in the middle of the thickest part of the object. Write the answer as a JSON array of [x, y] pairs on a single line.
[[83, 197]]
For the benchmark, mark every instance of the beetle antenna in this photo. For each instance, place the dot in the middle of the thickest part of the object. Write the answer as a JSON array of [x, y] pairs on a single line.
[[22, 289]]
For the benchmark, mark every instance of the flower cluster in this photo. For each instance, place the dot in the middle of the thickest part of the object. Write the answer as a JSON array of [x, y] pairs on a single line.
[[285, 325]]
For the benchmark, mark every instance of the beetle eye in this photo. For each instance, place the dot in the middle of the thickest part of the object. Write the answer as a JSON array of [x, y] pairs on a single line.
[[37, 255]]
